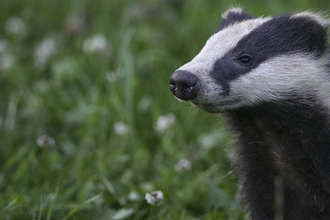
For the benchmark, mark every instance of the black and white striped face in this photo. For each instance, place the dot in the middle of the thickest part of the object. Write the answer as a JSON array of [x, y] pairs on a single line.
[[253, 60]]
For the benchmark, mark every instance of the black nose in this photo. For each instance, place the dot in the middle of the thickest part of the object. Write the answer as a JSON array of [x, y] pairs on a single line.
[[184, 85]]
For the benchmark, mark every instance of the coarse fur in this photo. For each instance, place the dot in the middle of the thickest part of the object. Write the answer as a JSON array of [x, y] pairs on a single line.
[[270, 78]]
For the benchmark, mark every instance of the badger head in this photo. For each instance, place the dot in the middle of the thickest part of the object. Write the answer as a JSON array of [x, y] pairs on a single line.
[[251, 60]]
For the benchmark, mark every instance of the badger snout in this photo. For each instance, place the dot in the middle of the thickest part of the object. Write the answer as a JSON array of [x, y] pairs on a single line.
[[184, 85]]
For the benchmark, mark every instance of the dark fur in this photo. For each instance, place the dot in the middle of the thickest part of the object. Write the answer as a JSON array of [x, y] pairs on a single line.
[[285, 143]]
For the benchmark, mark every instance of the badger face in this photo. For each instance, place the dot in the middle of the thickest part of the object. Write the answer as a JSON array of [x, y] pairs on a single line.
[[253, 60]]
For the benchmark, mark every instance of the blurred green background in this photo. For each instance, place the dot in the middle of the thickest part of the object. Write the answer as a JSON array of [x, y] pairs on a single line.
[[88, 125]]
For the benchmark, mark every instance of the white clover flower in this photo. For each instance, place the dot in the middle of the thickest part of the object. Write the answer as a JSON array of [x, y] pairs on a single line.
[[111, 76], [133, 196], [182, 166], [15, 26], [121, 128], [7, 61], [208, 141], [97, 44], [44, 51], [155, 198], [145, 103], [45, 141], [164, 122]]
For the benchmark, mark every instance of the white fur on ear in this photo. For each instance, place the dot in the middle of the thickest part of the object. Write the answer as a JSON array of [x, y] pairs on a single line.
[[235, 10], [319, 18]]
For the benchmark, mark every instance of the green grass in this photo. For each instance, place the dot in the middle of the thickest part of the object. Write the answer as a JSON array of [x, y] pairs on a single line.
[[80, 98]]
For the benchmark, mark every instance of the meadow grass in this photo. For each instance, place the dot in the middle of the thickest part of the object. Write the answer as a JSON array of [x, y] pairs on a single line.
[[87, 122]]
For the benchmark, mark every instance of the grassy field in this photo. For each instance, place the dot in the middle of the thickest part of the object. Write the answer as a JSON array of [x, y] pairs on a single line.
[[88, 125]]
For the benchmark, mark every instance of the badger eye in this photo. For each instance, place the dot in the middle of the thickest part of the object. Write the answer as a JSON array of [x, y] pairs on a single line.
[[245, 59]]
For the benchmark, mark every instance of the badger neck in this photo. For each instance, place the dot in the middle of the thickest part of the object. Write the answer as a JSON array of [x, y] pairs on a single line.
[[292, 128], [288, 135], [292, 116]]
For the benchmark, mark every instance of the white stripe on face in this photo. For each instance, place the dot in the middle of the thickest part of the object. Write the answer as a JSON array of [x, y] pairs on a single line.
[[280, 78], [219, 44]]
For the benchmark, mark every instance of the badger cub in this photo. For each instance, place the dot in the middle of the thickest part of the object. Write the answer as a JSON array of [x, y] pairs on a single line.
[[270, 78]]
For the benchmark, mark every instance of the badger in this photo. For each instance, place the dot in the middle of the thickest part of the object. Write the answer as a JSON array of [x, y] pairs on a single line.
[[270, 79]]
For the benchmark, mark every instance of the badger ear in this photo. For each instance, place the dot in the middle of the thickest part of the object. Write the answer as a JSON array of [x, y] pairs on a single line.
[[233, 15], [318, 18]]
